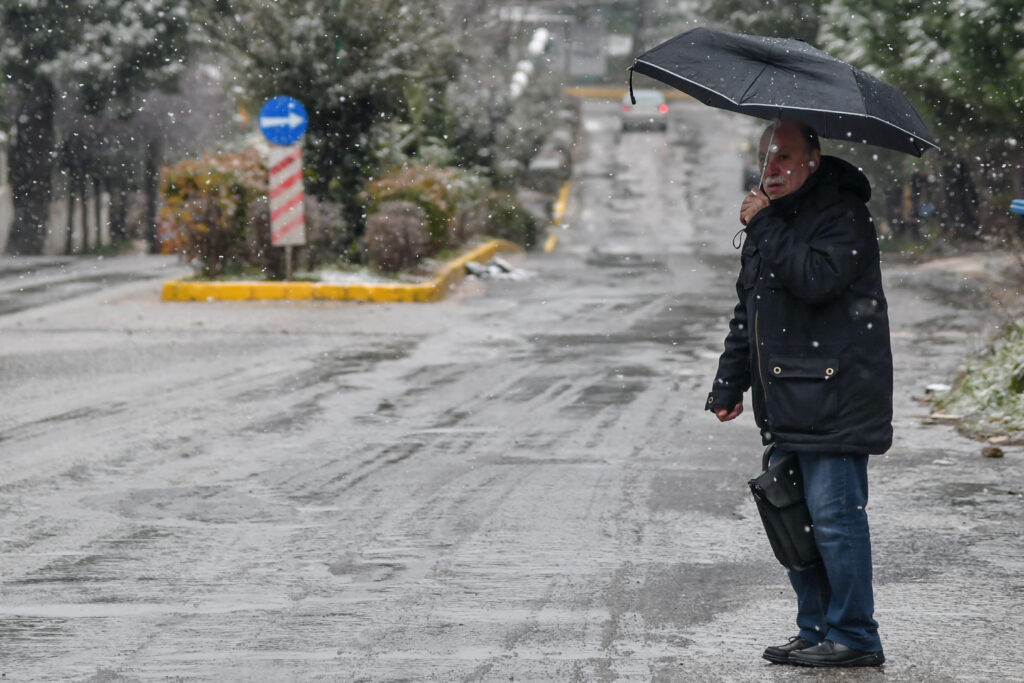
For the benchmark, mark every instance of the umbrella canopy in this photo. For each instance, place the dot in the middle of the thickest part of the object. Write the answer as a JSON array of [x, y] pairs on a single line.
[[777, 77]]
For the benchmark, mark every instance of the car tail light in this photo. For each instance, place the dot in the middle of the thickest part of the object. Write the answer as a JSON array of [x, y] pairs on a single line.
[[626, 107], [663, 108]]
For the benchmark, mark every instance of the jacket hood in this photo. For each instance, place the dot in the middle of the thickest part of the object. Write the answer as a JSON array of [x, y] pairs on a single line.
[[846, 176]]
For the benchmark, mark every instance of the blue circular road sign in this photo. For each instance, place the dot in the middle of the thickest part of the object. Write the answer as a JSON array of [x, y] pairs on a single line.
[[283, 120]]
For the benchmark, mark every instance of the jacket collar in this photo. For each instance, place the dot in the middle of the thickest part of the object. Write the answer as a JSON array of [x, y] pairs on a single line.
[[789, 202]]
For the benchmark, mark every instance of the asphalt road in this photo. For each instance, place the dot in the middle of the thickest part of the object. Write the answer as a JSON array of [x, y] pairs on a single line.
[[517, 483]]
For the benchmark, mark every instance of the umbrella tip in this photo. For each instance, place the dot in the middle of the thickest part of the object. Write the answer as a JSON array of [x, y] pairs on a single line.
[[632, 97]]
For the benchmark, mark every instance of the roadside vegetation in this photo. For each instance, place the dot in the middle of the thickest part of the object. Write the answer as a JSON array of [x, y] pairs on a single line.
[[215, 212], [151, 107], [987, 399]]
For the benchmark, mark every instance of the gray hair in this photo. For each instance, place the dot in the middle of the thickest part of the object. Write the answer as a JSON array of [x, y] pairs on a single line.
[[810, 136]]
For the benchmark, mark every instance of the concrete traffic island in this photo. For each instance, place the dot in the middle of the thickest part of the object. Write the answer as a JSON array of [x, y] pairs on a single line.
[[432, 290]]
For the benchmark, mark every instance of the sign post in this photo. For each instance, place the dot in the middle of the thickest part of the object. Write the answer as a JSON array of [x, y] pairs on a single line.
[[283, 121]]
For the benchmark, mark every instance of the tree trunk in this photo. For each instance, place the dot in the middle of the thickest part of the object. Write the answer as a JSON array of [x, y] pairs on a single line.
[[1017, 173], [83, 205], [641, 20], [961, 199], [31, 167], [69, 229], [151, 185], [118, 204], [97, 207]]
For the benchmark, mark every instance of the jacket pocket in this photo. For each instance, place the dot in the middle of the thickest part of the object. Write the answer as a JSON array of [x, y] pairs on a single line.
[[802, 394]]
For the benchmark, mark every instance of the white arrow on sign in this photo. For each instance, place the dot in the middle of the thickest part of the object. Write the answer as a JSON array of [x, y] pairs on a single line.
[[293, 120]]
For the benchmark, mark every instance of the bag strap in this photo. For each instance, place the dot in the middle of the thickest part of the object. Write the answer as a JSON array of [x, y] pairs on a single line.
[[767, 456]]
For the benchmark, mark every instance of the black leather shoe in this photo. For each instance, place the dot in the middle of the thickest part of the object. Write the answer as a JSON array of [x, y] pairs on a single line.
[[831, 653], [779, 654]]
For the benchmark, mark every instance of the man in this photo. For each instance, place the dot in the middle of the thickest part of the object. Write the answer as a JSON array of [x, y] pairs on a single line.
[[810, 338]]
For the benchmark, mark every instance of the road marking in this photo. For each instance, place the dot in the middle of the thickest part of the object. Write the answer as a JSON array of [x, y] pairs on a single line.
[[557, 216]]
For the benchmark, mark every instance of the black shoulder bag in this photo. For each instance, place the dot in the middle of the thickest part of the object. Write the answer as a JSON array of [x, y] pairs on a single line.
[[779, 494]]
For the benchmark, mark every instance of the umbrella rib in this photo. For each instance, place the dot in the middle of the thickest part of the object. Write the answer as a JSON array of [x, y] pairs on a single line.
[[751, 84]]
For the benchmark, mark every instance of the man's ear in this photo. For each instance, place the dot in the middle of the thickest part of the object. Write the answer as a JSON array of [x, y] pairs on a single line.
[[815, 161]]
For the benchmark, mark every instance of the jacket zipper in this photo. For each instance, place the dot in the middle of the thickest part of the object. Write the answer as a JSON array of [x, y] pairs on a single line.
[[757, 349], [760, 368]]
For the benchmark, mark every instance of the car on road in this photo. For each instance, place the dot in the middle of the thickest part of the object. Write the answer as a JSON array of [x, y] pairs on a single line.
[[649, 112]]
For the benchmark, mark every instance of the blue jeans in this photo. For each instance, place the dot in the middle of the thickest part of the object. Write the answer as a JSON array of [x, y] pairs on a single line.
[[834, 598]]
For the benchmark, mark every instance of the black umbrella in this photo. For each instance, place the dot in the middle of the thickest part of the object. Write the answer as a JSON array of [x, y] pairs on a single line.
[[774, 78]]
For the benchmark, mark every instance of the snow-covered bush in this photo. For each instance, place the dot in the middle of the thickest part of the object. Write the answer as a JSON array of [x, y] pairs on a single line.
[[428, 187], [506, 219], [327, 233], [440, 192], [216, 209], [396, 236], [988, 394], [469, 222]]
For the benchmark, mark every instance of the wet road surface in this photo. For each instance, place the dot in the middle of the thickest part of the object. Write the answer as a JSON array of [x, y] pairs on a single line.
[[516, 483]]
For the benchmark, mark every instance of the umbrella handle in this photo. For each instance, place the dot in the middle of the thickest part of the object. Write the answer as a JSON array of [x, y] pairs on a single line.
[[632, 97], [768, 153]]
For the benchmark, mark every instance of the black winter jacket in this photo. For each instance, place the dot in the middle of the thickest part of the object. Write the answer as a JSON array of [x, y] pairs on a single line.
[[810, 333]]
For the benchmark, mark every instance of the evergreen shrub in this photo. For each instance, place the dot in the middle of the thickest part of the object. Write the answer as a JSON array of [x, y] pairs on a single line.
[[506, 219], [215, 211], [440, 192], [396, 236], [988, 394]]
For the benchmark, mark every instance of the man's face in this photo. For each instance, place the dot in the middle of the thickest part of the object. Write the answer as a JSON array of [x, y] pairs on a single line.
[[788, 165]]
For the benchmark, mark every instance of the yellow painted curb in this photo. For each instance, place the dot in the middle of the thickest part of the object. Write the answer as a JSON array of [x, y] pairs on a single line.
[[434, 290], [557, 215], [611, 93]]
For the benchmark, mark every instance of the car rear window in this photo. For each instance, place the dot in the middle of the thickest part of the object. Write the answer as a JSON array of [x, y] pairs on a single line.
[[648, 97]]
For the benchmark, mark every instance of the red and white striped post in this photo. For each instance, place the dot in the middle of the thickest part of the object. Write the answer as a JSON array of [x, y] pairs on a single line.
[[287, 200]]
